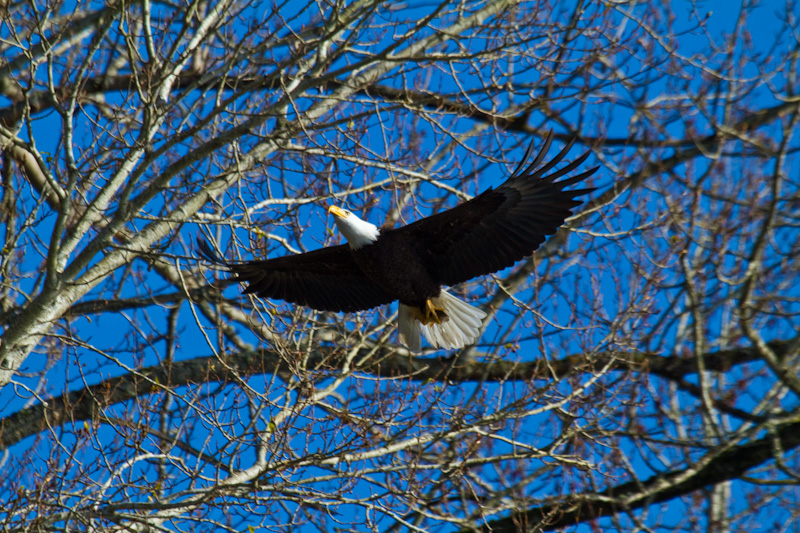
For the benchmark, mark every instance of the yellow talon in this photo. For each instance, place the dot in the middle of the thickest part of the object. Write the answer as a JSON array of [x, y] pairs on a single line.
[[430, 314]]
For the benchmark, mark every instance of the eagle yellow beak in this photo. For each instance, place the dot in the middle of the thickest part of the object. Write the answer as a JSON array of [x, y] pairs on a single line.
[[337, 211]]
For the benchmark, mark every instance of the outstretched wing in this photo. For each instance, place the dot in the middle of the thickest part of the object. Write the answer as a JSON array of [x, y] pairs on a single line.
[[326, 279], [500, 226]]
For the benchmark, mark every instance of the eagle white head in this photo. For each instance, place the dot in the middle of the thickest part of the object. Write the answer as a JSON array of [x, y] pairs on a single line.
[[357, 232]]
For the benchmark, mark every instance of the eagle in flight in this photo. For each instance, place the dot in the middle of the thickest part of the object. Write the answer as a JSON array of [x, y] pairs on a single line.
[[413, 263]]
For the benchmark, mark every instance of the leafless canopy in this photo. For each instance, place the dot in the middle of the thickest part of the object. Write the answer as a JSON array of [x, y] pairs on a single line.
[[639, 373]]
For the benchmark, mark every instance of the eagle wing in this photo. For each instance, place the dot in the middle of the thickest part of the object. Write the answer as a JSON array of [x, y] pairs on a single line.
[[500, 226], [326, 279]]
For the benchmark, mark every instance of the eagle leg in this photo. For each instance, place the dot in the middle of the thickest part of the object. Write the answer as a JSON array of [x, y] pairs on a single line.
[[430, 314]]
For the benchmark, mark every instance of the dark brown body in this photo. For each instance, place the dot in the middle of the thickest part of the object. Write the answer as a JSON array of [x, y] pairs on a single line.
[[400, 267]]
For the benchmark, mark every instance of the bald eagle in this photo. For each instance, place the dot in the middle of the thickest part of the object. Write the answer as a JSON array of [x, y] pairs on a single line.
[[412, 263]]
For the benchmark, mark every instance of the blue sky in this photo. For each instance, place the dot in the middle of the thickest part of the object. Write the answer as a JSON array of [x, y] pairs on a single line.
[[571, 307]]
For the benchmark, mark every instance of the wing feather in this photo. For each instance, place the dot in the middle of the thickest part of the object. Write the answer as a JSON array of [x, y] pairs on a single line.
[[500, 226], [327, 279]]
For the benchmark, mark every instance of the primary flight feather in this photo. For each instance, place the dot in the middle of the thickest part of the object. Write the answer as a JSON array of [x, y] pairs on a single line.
[[412, 263]]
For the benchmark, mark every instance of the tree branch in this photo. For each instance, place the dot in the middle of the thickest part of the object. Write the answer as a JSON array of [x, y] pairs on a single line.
[[727, 462], [386, 362]]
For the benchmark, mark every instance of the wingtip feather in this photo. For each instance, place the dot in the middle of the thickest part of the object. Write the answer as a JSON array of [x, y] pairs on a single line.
[[207, 252]]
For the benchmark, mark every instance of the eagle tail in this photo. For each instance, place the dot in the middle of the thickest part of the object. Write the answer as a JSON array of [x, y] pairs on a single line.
[[461, 326], [410, 328]]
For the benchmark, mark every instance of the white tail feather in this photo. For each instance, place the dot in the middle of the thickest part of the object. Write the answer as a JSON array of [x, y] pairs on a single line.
[[409, 328], [462, 327]]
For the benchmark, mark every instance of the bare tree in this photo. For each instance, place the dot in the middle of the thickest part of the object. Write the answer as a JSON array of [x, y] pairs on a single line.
[[640, 372]]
